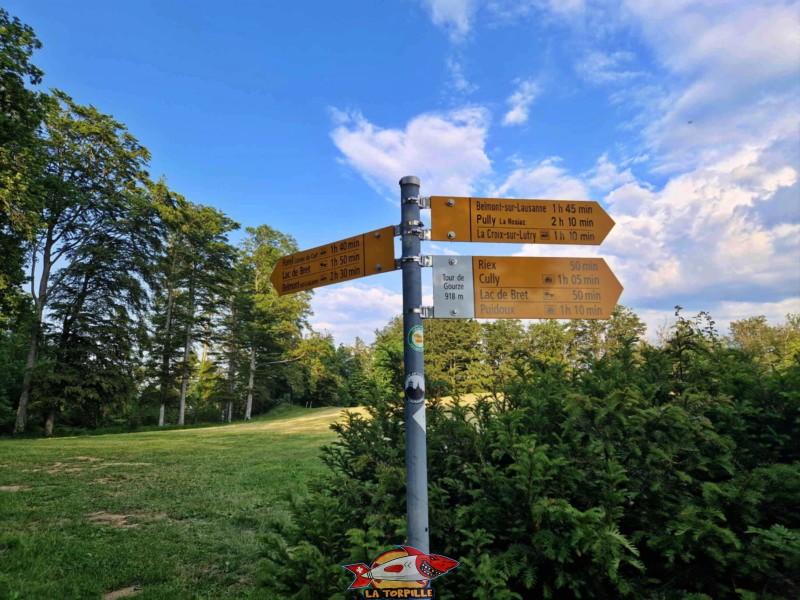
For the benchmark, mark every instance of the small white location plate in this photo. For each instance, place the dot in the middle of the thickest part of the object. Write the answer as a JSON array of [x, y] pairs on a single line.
[[453, 291]]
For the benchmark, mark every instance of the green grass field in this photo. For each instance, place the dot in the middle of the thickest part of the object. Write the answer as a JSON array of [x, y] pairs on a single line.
[[168, 514]]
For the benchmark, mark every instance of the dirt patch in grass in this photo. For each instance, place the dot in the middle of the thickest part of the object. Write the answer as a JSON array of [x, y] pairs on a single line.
[[93, 462], [121, 521], [13, 488], [112, 520], [123, 593], [55, 468], [116, 478]]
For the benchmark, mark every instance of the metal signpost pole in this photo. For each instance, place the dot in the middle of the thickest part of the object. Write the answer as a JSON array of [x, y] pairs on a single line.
[[414, 375]]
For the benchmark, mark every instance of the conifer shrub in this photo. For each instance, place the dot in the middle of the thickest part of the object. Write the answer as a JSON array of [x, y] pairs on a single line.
[[661, 473]]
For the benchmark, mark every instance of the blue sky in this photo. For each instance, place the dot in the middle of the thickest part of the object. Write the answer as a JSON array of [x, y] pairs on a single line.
[[681, 117]]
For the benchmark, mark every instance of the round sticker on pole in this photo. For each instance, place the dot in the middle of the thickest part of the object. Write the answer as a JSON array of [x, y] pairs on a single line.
[[416, 339], [415, 388]]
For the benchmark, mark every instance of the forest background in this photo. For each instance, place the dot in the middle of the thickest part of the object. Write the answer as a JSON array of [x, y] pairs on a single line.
[[123, 304]]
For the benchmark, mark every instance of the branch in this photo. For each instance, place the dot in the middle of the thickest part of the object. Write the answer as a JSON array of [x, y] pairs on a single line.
[[55, 281], [76, 243], [288, 360], [34, 253]]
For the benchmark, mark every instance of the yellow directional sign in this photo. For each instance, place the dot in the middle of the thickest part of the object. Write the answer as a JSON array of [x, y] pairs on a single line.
[[351, 258], [459, 219], [512, 287]]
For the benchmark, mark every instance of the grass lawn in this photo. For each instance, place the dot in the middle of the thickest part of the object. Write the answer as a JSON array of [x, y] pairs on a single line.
[[168, 514]]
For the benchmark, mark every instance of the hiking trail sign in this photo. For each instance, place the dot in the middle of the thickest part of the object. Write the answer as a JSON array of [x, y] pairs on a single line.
[[458, 219], [482, 287], [516, 287], [358, 256]]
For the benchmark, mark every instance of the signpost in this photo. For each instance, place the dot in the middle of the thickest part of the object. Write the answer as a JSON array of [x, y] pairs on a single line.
[[465, 287], [511, 287], [351, 258], [413, 367], [458, 219]]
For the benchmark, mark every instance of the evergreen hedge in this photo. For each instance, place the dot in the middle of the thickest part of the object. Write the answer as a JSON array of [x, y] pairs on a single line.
[[662, 473]]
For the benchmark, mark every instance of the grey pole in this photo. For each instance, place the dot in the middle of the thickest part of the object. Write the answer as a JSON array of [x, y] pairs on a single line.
[[414, 375]]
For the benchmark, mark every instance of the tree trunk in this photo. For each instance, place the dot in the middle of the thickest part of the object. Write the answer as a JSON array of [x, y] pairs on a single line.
[[206, 329], [167, 336], [33, 346], [231, 362], [185, 378], [248, 413], [30, 363], [187, 346], [49, 422]]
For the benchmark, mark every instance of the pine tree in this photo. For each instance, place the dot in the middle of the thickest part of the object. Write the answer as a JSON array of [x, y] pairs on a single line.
[[453, 358], [205, 272], [270, 325]]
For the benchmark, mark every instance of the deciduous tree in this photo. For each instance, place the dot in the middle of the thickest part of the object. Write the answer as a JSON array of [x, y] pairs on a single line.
[[21, 112], [269, 325]]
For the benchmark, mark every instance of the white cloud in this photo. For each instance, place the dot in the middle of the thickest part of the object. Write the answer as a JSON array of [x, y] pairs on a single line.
[[629, 198], [455, 16], [774, 311], [520, 102], [606, 176], [446, 151], [458, 80], [732, 72], [750, 41], [544, 179], [348, 310], [567, 7], [512, 10], [704, 240], [602, 67], [702, 235]]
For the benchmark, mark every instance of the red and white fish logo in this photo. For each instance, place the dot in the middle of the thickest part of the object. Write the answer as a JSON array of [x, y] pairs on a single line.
[[407, 565]]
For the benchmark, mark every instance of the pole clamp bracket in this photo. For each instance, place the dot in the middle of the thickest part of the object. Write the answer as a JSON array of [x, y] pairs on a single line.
[[423, 201], [413, 228], [424, 261], [426, 312]]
